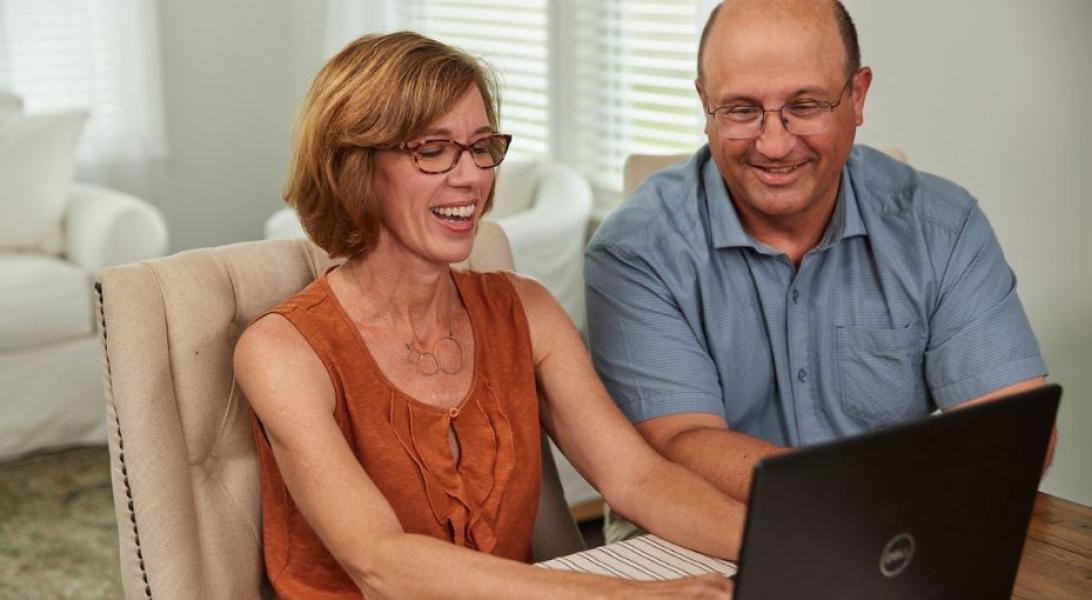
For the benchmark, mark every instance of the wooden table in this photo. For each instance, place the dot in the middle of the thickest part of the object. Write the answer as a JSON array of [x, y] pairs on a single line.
[[1057, 560]]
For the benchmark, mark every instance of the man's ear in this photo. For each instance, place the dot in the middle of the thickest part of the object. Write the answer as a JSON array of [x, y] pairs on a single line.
[[862, 80], [704, 105], [701, 94]]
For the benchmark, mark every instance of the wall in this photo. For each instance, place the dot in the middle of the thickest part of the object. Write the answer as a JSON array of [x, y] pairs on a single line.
[[994, 95], [989, 93], [233, 75]]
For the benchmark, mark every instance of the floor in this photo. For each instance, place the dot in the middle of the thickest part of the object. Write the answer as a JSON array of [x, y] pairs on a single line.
[[58, 537]]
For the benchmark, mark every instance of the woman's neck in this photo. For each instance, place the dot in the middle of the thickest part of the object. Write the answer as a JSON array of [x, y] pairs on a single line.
[[404, 286]]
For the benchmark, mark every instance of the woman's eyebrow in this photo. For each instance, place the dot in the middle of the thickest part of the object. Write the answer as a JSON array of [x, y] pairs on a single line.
[[447, 132]]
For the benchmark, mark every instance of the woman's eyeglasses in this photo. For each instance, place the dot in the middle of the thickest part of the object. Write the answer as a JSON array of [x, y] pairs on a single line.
[[441, 156]]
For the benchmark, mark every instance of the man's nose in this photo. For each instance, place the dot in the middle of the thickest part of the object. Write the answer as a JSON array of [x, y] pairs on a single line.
[[774, 140]]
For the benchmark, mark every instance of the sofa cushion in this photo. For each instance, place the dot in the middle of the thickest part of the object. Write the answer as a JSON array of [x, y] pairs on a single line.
[[37, 155], [42, 299]]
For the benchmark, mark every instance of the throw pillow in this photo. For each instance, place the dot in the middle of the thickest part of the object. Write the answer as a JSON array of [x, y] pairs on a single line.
[[37, 156]]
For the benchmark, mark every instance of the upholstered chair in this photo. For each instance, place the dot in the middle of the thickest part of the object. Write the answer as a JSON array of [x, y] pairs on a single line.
[[183, 462]]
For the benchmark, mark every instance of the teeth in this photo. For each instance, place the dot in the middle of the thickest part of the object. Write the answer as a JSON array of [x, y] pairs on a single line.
[[461, 212], [780, 170]]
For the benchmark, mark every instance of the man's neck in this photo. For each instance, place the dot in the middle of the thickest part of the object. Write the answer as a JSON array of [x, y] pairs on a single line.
[[795, 234]]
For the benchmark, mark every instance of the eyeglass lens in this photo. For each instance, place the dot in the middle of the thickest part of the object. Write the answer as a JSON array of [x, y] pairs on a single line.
[[438, 156], [797, 124], [799, 118]]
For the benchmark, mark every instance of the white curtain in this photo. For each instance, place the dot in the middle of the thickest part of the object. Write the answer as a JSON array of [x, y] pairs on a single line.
[[99, 55]]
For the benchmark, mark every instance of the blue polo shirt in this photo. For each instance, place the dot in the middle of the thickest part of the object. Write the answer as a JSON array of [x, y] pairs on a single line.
[[906, 305]]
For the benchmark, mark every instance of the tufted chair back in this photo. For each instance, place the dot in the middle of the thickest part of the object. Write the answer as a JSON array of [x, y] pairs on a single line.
[[183, 463]]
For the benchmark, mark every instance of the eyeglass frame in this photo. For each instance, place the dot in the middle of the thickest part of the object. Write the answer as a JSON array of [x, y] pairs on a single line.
[[411, 149], [828, 105]]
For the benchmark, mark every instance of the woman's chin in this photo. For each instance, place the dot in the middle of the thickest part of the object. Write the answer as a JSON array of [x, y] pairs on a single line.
[[452, 253]]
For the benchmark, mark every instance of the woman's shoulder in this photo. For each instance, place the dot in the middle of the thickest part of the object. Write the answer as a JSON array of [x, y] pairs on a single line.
[[272, 356], [271, 341], [494, 287], [274, 343], [543, 312], [313, 294], [529, 290]]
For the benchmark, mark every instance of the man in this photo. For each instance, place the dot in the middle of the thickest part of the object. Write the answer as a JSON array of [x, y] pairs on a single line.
[[783, 287]]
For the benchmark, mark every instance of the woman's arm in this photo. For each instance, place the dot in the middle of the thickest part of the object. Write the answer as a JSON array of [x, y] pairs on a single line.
[[661, 496], [291, 393]]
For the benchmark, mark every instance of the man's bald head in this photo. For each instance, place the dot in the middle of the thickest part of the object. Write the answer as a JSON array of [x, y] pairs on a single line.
[[837, 10]]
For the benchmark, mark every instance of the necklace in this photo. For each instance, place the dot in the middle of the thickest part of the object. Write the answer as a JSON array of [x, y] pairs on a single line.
[[446, 355]]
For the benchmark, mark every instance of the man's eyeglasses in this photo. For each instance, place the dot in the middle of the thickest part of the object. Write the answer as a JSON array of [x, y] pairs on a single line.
[[800, 117], [441, 156]]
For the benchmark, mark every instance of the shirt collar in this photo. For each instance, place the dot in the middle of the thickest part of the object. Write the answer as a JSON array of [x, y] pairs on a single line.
[[727, 230], [724, 224]]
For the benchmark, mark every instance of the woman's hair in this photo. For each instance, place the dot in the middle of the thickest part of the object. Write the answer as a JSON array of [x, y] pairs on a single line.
[[377, 92]]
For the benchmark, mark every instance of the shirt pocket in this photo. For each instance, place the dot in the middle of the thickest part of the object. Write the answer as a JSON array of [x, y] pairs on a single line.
[[882, 381]]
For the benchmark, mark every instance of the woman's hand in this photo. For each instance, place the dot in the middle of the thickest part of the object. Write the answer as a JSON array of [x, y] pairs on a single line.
[[710, 585]]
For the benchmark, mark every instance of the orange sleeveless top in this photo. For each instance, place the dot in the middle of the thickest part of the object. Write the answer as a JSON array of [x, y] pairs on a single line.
[[486, 502]]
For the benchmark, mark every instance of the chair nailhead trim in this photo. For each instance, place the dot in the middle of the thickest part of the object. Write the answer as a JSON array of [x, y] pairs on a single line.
[[121, 452]]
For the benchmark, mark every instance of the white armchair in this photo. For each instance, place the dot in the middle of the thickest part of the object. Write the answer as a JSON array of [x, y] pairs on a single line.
[[544, 208], [50, 380]]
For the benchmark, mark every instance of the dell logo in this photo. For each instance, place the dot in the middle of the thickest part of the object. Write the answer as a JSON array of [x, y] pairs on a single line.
[[896, 555]]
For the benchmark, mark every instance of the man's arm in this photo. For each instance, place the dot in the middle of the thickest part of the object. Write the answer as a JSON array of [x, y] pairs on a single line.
[[655, 364], [981, 344], [701, 442], [1016, 388]]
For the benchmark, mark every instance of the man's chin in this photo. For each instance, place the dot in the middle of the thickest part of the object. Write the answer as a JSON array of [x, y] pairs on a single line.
[[779, 204]]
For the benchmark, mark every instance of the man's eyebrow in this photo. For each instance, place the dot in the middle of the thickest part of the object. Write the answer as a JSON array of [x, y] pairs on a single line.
[[810, 90], [731, 99], [735, 99]]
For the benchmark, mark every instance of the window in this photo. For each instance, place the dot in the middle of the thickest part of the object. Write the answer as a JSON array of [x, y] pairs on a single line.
[[631, 87], [100, 55], [583, 82], [513, 38]]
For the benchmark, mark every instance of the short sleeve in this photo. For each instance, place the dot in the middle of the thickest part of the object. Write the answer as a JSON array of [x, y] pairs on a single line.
[[650, 357], [980, 339]]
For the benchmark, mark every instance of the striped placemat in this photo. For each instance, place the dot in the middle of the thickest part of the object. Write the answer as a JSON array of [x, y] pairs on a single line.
[[646, 558]]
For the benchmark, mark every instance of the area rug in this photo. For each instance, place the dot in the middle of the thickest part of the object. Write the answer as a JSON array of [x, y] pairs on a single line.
[[58, 535]]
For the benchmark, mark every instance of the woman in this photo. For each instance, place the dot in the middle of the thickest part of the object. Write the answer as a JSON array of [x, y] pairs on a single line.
[[397, 399]]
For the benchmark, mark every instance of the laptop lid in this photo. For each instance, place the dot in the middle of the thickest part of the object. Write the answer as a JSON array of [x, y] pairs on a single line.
[[934, 508]]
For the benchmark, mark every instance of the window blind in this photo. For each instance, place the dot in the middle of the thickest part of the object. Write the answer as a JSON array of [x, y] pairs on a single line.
[[631, 84], [89, 54], [585, 82], [513, 38]]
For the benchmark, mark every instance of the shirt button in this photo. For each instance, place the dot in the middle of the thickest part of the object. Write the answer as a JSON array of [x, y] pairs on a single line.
[[454, 411], [795, 296], [802, 375]]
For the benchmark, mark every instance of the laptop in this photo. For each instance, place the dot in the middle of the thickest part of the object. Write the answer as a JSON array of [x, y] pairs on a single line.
[[935, 508]]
